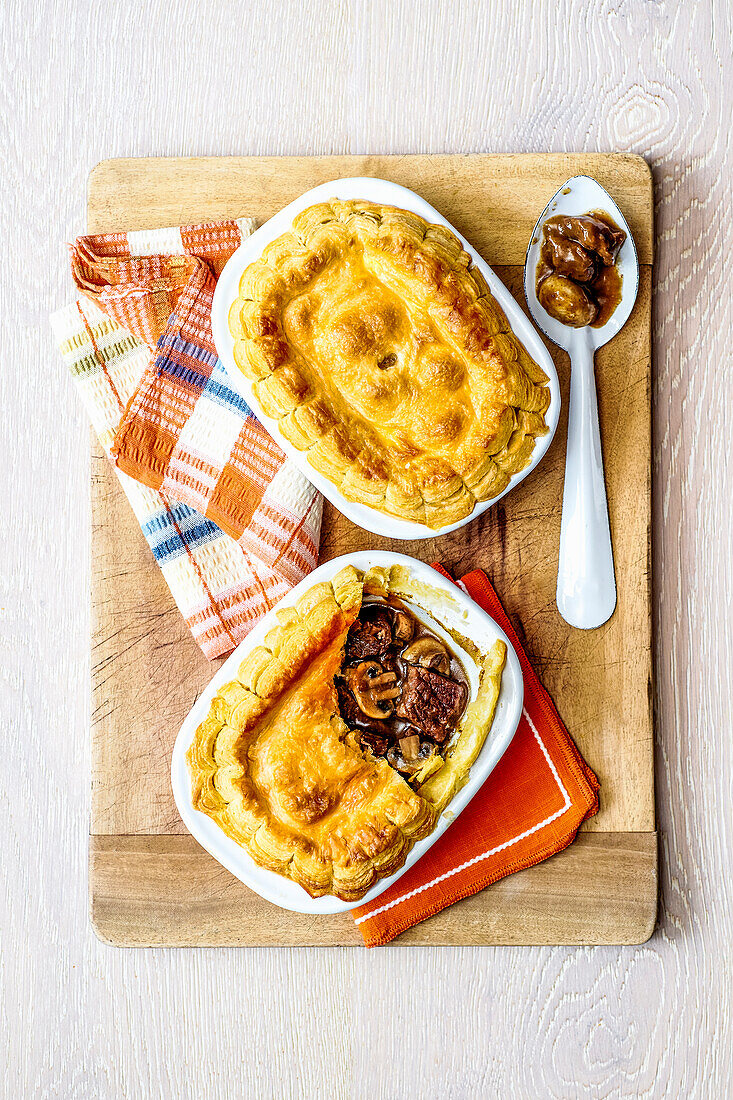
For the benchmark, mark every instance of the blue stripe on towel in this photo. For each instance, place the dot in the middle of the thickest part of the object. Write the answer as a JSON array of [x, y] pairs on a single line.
[[167, 543], [214, 386], [221, 394]]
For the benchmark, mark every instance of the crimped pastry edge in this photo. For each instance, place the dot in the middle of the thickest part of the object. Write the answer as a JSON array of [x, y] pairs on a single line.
[[262, 352], [209, 769]]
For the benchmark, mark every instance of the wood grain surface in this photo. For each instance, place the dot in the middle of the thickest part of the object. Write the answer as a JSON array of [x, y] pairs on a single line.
[[600, 680], [83, 82], [190, 900], [145, 193]]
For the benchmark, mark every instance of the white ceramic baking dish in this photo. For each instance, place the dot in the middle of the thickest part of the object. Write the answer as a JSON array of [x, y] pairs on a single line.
[[458, 612], [380, 191]]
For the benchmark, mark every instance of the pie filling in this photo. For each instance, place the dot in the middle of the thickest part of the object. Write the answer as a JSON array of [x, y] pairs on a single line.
[[578, 282], [344, 735], [401, 688]]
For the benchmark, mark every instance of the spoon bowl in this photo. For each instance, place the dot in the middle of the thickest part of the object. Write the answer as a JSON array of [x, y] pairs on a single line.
[[579, 195], [586, 584]]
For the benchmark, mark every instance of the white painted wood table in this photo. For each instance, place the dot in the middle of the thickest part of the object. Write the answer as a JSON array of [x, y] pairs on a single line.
[[86, 80]]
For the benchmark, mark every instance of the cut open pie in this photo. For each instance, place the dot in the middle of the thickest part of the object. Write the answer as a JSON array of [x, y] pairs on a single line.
[[289, 771], [381, 352]]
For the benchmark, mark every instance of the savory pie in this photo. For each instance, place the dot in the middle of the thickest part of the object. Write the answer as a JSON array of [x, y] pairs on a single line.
[[381, 352], [289, 770]]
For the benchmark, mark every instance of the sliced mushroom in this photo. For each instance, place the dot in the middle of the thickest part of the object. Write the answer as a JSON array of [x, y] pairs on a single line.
[[373, 688], [429, 653], [409, 762], [403, 626], [409, 746]]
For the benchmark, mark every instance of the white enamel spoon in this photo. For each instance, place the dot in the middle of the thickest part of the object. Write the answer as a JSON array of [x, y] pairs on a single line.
[[586, 584]]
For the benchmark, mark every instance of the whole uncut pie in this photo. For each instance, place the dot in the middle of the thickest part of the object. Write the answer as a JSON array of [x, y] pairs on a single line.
[[344, 736], [382, 354]]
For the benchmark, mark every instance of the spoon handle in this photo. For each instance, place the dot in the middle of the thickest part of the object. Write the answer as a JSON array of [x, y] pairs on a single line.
[[586, 584]]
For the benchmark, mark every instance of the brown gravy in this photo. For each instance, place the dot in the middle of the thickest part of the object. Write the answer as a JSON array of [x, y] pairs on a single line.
[[401, 688], [577, 280]]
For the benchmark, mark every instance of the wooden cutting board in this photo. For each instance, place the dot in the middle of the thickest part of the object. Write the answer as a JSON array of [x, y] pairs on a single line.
[[150, 882]]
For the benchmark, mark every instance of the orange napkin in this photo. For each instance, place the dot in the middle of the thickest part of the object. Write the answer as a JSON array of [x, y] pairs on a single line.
[[529, 808]]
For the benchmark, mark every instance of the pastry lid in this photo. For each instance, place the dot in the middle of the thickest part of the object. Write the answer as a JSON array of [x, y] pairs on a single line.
[[447, 606], [390, 194]]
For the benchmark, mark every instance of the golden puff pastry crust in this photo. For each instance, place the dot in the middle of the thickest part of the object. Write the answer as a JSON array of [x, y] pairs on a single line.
[[382, 354], [276, 767]]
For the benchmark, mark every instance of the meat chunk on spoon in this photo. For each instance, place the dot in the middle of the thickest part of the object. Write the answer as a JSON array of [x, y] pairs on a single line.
[[568, 258], [592, 233]]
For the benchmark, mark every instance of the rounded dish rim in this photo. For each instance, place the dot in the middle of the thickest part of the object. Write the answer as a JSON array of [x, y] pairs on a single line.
[[277, 888], [378, 190]]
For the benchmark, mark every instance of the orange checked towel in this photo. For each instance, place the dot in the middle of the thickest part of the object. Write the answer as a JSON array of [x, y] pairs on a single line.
[[181, 433], [232, 523], [529, 808]]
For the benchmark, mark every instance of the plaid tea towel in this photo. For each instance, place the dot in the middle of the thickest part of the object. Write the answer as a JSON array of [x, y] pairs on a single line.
[[231, 522], [529, 808]]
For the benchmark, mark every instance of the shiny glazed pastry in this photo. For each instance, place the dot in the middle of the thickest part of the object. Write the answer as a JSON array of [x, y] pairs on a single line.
[[381, 353], [281, 772]]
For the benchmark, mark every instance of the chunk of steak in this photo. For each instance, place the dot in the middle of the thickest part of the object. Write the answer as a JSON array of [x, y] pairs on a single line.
[[592, 233], [348, 707], [370, 636], [431, 702], [374, 741]]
